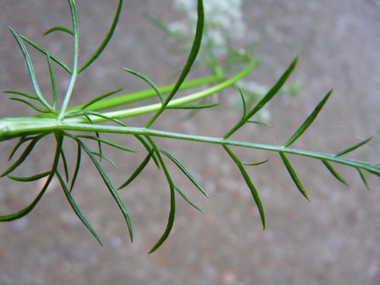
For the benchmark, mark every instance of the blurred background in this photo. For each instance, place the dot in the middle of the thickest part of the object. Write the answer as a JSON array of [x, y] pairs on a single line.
[[335, 239]]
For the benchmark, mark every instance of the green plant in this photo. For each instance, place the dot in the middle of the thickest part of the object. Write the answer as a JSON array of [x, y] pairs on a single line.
[[62, 122]]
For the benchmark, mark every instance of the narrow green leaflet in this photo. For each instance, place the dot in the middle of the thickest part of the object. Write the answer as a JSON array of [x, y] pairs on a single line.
[[32, 74], [31, 178], [97, 135], [169, 226], [19, 143], [106, 142], [259, 123], [347, 150], [254, 164], [71, 200], [170, 223], [106, 158], [273, 91], [83, 112], [64, 161], [184, 170], [138, 170], [24, 155], [22, 94], [333, 172], [293, 175], [101, 97], [45, 51], [363, 178], [308, 121], [106, 39], [27, 210], [147, 80], [188, 200], [250, 185], [59, 28], [188, 106], [38, 109], [149, 149], [192, 56], [244, 104], [108, 184], [77, 166], [53, 81]]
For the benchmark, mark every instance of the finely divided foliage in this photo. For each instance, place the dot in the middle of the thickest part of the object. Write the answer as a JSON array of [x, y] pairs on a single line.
[[59, 122]]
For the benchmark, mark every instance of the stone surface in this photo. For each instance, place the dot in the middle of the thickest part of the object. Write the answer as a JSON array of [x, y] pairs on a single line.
[[332, 240]]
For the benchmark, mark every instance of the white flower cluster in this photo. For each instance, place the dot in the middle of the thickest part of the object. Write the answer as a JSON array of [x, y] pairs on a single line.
[[223, 22]]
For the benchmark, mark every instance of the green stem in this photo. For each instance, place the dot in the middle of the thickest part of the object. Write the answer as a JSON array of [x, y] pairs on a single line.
[[16, 128], [75, 64], [140, 95]]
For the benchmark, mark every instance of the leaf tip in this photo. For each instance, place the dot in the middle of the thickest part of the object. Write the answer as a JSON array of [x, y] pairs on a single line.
[[295, 60]]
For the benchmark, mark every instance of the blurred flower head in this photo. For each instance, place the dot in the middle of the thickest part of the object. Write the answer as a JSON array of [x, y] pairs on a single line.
[[223, 23]]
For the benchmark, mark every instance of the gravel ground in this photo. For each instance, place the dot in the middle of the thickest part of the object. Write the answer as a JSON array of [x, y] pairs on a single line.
[[332, 240]]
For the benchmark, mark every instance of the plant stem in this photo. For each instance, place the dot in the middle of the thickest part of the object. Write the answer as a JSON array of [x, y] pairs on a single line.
[[140, 95], [21, 128], [75, 64]]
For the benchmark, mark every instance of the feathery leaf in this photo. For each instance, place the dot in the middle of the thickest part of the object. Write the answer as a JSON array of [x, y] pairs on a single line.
[[147, 80], [138, 170], [333, 172], [76, 208], [192, 56], [24, 155], [347, 150], [106, 39], [188, 106], [184, 170], [108, 184], [363, 178], [308, 121], [22, 94], [51, 55], [249, 183], [53, 81], [31, 178], [273, 91], [293, 175], [76, 171], [38, 109], [25, 211], [101, 97], [188, 200], [170, 223], [254, 164], [59, 28]]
